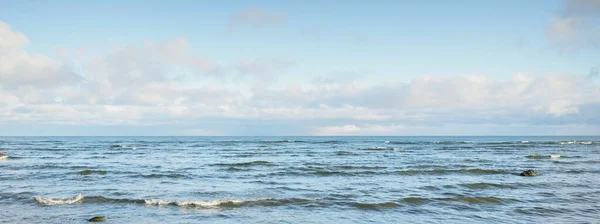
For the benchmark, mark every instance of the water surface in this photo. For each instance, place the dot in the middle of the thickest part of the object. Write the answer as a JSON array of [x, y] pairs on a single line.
[[299, 179]]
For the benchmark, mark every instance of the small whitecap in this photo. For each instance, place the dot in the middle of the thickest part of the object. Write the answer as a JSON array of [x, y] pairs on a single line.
[[59, 201]]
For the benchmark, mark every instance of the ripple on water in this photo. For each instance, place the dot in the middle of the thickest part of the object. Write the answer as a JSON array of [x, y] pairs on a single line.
[[90, 172], [468, 200], [483, 185], [453, 171]]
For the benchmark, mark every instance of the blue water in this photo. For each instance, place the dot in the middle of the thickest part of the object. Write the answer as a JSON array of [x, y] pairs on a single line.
[[300, 179]]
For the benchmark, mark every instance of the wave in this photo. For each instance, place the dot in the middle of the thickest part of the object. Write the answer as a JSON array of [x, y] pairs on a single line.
[[323, 173], [207, 204], [402, 142], [468, 200], [573, 142], [123, 146], [375, 206], [182, 203], [349, 167], [251, 163], [446, 171], [382, 148], [89, 172], [487, 185], [172, 175], [576, 143], [280, 141], [59, 201]]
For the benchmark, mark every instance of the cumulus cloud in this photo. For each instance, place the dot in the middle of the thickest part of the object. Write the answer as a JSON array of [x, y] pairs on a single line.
[[577, 27], [19, 68], [11, 40], [256, 18]]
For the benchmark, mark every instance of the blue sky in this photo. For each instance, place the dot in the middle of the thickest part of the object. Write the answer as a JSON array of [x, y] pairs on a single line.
[[299, 67]]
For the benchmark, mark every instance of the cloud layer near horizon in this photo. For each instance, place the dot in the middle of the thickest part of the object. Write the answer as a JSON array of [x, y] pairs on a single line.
[[166, 83]]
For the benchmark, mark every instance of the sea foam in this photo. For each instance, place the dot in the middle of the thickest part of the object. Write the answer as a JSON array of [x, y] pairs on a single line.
[[59, 201]]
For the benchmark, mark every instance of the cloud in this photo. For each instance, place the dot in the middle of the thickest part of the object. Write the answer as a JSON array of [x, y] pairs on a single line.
[[256, 18], [18, 68], [166, 83], [11, 40], [200, 132], [577, 27], [347, 130]]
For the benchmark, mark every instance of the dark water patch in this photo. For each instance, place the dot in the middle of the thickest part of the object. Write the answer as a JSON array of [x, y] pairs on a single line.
[[98, 157], [375, 206], [350, 167], [90, 172], [403, 142], [344, 153], [414, 200], [467, 200], [327, 173], [172, 175], [542, 211], [448, 171], [198, 145], [242, 164], [382, 149], [487, 186], [320, 173], [328, 142], [241, 155], [238, 169], [590, 162]]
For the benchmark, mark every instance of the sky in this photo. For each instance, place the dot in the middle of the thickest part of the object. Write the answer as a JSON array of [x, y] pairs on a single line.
[[300, 68]]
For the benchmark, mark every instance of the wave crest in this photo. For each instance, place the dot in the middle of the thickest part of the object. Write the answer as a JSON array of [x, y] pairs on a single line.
[[206, 204], [59, 201]]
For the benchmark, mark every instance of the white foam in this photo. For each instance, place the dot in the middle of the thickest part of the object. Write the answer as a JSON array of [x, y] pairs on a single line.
[[59, 201], [524, 142], [3, 157], [387, 141], [399, 149], [554, 156]]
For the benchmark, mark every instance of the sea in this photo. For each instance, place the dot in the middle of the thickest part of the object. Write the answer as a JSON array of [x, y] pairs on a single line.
[[300, 179]]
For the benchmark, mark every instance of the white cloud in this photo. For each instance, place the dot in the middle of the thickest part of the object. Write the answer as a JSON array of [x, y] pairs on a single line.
[[11, 40], [19, 68]]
